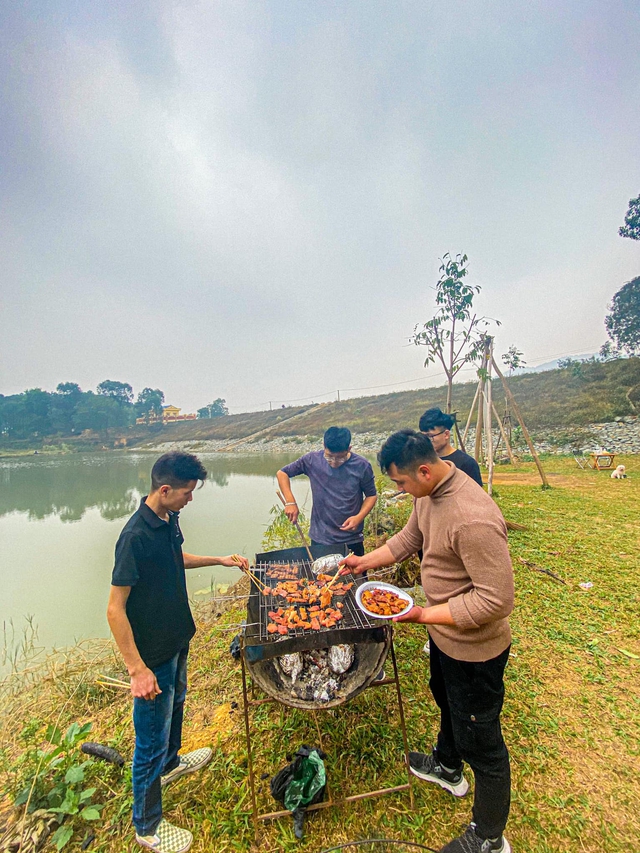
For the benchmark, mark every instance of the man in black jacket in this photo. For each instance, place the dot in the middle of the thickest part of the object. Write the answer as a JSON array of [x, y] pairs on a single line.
[[437, 426]]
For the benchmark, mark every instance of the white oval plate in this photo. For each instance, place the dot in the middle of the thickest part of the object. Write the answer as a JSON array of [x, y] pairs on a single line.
[[381, 585]]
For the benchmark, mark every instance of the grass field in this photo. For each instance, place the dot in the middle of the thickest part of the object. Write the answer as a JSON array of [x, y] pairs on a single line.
[[571, 717]]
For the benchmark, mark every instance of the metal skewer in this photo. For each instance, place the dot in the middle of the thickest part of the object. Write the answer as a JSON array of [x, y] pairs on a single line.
[[260, 584]]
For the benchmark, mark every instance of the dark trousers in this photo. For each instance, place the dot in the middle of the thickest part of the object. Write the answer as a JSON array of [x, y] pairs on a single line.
[[158, 727], [470, 697], [318, 549]]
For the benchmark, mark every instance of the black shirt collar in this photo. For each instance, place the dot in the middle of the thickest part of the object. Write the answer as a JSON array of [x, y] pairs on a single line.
[[150, 517]]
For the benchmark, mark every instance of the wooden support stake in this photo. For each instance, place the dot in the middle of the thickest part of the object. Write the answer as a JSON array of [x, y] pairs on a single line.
[[503, 433], [479, 423], [478, 446], [525, 431], [487, 430], [473, 405], [457, 429]]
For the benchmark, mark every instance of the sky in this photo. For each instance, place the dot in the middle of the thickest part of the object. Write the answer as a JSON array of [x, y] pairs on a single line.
[[250, 200]]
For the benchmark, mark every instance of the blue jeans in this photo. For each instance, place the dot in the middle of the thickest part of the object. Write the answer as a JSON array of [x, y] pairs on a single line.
[[158, 728]]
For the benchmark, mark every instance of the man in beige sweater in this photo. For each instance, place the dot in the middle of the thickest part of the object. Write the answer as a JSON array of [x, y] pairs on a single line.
[[468, 581]]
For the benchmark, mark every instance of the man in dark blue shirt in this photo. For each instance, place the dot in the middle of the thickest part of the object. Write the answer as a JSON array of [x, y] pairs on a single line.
[[343, 490], [151, 621]]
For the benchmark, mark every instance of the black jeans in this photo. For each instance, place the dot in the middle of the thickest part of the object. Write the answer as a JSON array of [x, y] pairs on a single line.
[[470, 697]]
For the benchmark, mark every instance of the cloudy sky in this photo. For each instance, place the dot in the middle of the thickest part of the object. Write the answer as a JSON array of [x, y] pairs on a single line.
[[249, 199]]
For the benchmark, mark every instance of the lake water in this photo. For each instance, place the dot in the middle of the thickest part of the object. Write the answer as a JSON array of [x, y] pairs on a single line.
[[60, 518]]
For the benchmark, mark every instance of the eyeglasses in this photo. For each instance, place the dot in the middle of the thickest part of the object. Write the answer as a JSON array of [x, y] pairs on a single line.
[[336, 457], [431, 434]]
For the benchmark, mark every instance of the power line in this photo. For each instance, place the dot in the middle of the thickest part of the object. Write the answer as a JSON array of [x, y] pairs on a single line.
[[313, 397]]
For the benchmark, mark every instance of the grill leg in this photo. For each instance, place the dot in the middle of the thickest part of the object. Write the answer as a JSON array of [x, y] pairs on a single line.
[[252, 781], [329, 799], [402, 722]]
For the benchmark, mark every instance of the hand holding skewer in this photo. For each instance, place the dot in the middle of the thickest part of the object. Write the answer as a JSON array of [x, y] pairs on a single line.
[[235, 560], [350, 565]]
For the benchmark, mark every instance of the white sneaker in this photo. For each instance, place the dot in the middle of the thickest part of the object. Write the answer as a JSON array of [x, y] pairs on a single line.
[[189, 763], [167, 839], [426, 649]]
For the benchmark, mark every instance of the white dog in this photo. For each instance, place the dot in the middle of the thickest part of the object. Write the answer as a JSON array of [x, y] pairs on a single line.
[[619, 473]]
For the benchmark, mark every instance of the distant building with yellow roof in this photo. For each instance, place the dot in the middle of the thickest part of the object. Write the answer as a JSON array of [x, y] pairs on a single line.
[[170, 414]]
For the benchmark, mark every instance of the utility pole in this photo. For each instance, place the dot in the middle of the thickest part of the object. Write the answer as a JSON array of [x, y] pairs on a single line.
[[338, 395]]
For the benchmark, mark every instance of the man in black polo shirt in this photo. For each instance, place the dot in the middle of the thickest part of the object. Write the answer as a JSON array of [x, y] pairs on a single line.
[[151, 621], [437, 426]]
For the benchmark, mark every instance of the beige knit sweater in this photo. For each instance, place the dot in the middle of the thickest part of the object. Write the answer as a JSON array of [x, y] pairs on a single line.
[[465, 562]]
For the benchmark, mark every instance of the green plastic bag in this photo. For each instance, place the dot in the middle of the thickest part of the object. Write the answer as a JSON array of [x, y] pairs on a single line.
[[309, 777]]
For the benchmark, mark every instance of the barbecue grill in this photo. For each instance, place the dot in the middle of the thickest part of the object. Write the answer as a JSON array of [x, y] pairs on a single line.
[[370, 639]]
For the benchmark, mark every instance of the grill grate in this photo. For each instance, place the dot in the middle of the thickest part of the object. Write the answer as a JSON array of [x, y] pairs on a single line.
[[353, 617]]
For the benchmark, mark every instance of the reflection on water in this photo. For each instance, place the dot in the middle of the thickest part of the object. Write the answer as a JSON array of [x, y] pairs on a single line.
[[59, 572], [67, 486]]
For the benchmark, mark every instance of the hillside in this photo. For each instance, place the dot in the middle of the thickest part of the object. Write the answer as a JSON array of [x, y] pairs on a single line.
[[575, 396]]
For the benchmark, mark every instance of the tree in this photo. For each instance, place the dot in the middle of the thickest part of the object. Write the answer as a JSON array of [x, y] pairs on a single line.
[[631, 227], [15, 421], [149, 403], [623, 323], [69, 389], [453, 336], [513, 359], [214, 410], [99, 412], [121, 392], [63, 405], [37, 403]]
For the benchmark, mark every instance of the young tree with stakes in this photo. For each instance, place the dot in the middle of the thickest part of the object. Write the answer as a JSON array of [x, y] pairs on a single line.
[[453, 336]]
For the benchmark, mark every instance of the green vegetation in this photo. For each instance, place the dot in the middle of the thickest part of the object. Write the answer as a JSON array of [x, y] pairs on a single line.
[[281, 533], [54, 781], [214, 410], [576, 394], [549, 399], [453, 335], [631, 227], [623, 323], [571, 716], [69, 411], [149, 403]]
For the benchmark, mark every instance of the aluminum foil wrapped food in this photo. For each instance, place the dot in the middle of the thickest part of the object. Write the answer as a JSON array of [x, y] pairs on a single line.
[[340, 657], [327, 565], [291, 665]]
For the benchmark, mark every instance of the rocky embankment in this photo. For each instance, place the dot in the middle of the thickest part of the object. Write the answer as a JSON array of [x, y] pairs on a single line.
[[619, 436]]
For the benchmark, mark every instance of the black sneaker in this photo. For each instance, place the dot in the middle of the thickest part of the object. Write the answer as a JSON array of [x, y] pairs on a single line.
[[470, 842], [428, 768]]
